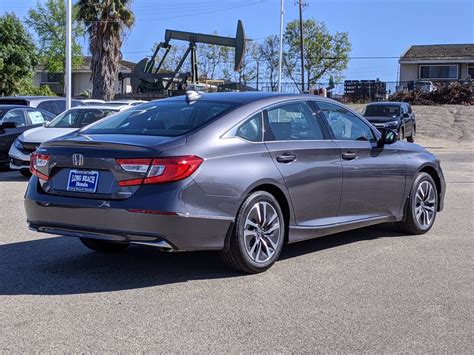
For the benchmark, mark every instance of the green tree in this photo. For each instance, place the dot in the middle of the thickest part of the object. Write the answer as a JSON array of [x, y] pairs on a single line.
[[17, 54], [269, 55], [48, 20], [106, 22], [26, 87], [324, 54]]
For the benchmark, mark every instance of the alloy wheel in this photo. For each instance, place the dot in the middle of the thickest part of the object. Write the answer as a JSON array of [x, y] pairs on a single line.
[[425, 204], [262, 232]]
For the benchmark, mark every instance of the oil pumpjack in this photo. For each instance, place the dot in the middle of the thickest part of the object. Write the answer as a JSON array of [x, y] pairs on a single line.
[[148, 76]]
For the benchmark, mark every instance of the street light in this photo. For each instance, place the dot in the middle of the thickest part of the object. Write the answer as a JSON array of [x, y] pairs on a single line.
[[68, 75]]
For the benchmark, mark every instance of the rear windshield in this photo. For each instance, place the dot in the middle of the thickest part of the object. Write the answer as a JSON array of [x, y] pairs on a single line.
[[79, 118], [166, 118], [382, 110]]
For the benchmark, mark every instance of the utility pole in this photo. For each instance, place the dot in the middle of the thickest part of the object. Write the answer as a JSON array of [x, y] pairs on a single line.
[[300, 6], [280, 58], [68, 75]]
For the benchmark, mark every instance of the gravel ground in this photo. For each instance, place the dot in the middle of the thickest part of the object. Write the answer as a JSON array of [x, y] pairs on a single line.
[[371, 290]]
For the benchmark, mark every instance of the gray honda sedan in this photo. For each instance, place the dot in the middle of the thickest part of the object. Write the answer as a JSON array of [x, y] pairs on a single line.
[[240, 173]]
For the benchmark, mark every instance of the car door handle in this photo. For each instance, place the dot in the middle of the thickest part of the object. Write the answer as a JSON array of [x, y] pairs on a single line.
[[286, 158], [349, 156]]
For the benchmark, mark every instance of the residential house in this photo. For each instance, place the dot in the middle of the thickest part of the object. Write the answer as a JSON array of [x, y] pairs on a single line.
[[439, 62], [81, 78]]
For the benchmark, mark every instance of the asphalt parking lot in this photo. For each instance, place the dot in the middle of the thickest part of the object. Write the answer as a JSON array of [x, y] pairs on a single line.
[[372, 290]]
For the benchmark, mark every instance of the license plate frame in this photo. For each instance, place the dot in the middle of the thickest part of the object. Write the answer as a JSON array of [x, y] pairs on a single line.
[[84, 183]]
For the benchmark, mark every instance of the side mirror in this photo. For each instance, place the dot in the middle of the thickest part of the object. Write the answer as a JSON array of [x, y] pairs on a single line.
[[389, 136], [6, 125], [406, 115]]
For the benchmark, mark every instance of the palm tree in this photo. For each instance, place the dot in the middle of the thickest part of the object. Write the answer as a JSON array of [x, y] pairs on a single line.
[[106, 22]]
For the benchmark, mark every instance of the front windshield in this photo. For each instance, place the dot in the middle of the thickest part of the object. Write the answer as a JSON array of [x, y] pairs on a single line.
[[382, 110], [80, 117], [165, 118]]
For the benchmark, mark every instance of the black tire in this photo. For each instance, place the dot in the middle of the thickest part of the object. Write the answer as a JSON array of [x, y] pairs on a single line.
[[237, 256], [410, 224], [411, 139], [25, 172], [103, 246]]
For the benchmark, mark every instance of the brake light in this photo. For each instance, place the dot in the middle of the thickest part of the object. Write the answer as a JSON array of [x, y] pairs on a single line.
[[160, 170], [172, 169], [39, 161]]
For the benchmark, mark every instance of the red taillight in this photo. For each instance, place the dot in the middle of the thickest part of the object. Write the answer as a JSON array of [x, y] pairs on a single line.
[[39, 161], [159, 170], [134, 165]]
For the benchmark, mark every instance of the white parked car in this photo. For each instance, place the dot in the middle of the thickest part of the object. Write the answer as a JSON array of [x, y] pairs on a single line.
[[126, 102], [92, 102], [65, 123]]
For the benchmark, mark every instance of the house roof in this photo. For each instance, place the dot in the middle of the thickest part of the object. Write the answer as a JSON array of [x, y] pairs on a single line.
[[124, 65], [439, 52]]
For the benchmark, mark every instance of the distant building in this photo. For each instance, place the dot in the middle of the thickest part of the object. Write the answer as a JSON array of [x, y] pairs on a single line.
[[439, 62], [81, 78]]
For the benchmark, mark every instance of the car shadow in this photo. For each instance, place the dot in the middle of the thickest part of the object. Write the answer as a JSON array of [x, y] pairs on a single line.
[[61, 265], [7, 175]]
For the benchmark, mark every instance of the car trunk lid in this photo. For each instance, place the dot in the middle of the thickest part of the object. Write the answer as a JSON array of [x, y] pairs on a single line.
[[89, 166]]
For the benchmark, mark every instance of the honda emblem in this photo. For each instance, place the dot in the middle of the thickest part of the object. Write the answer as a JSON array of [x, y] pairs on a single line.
[[77, 159]]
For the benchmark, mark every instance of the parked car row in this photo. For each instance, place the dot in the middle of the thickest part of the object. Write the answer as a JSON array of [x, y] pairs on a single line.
[[240, 173], [26, 122]]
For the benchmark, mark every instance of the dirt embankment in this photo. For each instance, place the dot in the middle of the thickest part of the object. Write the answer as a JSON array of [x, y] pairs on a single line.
[[443, 125]]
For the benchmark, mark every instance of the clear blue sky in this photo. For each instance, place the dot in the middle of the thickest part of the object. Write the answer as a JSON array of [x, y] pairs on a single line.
[[384, 28]]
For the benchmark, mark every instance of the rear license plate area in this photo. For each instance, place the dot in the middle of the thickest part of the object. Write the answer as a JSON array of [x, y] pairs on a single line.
[[83, 181]]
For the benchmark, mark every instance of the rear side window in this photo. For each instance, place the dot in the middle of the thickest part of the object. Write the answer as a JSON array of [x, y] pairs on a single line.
[[292, 121], [251, 130], [165, 118], [48, 106], [36, 117]]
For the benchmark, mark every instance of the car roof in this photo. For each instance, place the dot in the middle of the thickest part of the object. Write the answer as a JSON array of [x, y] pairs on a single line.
[[36, 98], [125, 101], [12, 106], [385, 103], [99, 107], [241, 97]]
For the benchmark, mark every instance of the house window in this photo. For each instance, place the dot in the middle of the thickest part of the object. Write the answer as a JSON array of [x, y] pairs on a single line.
[[51, 77], [470, 71], [439, 71]]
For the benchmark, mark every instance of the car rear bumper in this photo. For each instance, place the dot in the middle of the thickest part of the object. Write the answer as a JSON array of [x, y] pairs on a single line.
[[87, 218]]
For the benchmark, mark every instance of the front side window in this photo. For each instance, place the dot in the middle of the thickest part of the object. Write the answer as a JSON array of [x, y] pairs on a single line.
[[251, 130], [166, 118], [438, 71], [15, 116], [292, 121], [344, 124]]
